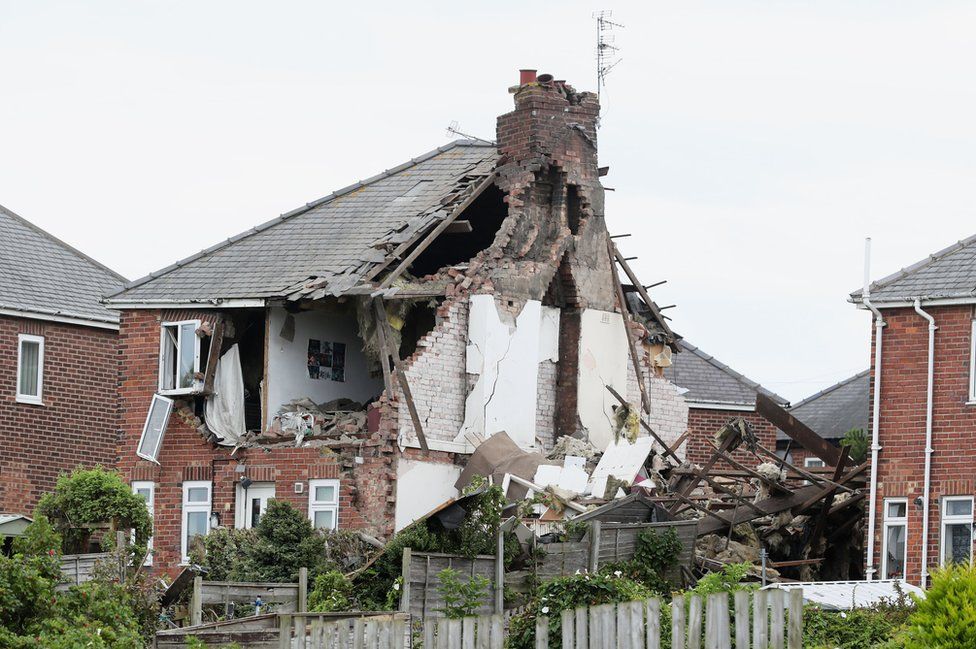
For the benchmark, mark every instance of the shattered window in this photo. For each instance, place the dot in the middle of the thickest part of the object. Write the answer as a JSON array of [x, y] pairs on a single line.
[[323, 504], [895, 538], [179, 357], [155, 427]]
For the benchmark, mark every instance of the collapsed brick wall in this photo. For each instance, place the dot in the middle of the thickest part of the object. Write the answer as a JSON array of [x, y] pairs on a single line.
[[366, 487], [76, 425], [902, 426]]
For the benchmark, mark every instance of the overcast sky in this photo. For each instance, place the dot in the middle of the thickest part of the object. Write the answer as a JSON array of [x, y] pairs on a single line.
[[752, 145]]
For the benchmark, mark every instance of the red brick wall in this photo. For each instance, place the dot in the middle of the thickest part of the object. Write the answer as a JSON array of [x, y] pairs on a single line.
[[902, 430], [76, 426], [366, 488], [703, 423]]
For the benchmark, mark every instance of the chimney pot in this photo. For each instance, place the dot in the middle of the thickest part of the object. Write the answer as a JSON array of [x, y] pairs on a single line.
[[544, 78], [526, 76]]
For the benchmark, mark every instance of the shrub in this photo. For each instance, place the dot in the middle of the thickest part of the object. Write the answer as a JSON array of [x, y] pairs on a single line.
[[555, 596], [331, 591], [91, 496], [284, 542], [655, 553], [857, 443], [946, 617], [727, 580], [462, 597], [224, 552]]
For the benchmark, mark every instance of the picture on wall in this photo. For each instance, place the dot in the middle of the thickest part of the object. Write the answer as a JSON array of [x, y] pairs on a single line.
[[326, 360]]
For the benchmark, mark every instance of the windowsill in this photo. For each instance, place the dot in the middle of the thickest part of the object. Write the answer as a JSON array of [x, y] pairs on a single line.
[[31, 401], [971, 402], [180, 393]]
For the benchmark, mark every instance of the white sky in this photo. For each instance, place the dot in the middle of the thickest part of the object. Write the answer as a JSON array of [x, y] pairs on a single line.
[[752, 145]]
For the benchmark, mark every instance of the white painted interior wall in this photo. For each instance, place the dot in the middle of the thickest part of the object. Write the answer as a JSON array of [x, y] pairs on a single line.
[[603, 361], [422, 486], [288, 360]]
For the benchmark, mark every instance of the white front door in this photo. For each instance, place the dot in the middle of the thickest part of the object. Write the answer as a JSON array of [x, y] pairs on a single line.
[[252, 503]]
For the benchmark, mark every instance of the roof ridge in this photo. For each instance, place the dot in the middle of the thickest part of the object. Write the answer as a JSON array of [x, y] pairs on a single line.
[[44, 233], [742, 378], [912, 268], [297, 211], [830, 389]]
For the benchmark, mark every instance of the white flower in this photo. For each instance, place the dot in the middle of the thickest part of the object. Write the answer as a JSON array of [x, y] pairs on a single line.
[[843, 614], [545, 609], [617, 573], [396, 586]]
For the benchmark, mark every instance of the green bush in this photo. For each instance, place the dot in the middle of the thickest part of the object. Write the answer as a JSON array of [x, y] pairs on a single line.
[[562, 593], [857, 443], [860, 628], [224, 552], [91, 496], [946, 617], [727, 580], [331, 591], [655, 554], [462, 597]]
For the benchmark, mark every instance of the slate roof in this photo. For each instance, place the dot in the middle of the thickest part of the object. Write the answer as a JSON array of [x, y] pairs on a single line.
[[337, 238], [837, 409], [708, 380], [42, 275], [949, 273]]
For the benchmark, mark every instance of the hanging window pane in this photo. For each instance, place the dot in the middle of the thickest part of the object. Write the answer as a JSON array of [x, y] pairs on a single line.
[[155, 427]]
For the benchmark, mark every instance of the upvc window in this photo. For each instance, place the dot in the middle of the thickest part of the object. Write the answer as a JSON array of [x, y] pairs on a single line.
[[146, 490], [179, 357], [196, 513], [894, 541], [813, 463], [323, 504], [972, 362], [154, 429], [30, 368], [957, 529]]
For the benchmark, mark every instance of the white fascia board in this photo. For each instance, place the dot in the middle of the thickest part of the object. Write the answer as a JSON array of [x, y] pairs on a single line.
[[713, 405], [197, 304], [894, 304], [84, 322]]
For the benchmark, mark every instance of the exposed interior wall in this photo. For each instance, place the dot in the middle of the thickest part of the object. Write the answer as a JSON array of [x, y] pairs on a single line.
[[288, 360], [603, 361], [422, 486]]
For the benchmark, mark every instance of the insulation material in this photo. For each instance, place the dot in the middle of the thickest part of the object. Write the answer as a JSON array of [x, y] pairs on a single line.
[[504, 352], [422, 486], [602, 362], [224, 410]]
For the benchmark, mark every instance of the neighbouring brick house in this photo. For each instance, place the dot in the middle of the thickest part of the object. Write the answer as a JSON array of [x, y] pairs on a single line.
[[486, 268], [923, 398], [58, 362], [830, 413], [715, 393]]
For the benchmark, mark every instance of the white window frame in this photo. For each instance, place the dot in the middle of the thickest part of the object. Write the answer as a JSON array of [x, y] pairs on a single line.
[[894, 521], [149, 486], [243, 498], [194, 507], [954, 520], [196, 387], [972, 362], [321, 506], [37, 399], [168, 404], [813, 463]]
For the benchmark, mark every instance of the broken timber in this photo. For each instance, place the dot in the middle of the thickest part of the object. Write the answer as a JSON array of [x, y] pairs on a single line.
[[381, 323], [625, 316], [615, 254], [796, 429]]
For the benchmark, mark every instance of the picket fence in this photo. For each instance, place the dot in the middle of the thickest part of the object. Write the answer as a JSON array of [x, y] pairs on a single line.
[[705, 623]]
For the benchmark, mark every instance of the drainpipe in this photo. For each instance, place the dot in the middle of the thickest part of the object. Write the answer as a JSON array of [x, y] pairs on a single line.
[[879, 325], [928, 443]]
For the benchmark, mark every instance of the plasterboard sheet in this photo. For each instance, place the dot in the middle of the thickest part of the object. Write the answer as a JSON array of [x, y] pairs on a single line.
[[602, 362], [622, 460], [422, 486]]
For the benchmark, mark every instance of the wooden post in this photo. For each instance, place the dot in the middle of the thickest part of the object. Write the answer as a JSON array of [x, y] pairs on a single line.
[[760, 620], [796, 619], [500, 573], [594, 558], [653, 612], [777, 604], [542, 632], [742, 619], [405, 574], [284, 631], [196, 601], [302, 590], [568, 622], [678, 622], [695, 622]]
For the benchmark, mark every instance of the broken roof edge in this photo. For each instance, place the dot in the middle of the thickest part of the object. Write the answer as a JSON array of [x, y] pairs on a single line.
[[857, 297], [113, 298], [830, 389], [742, 378], [66, 246]]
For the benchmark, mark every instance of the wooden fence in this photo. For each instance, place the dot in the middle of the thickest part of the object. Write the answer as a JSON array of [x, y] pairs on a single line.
[[77, 568], [285, 598], [762, 620]]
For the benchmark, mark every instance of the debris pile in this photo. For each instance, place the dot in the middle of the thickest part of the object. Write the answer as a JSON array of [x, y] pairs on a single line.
[[302, 419]]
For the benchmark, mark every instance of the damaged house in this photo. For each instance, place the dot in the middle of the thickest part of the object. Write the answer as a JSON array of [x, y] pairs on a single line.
[[350, 355]]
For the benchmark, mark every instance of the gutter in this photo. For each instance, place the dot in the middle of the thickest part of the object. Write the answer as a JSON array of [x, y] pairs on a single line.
[[928, 441], [879, 325]]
